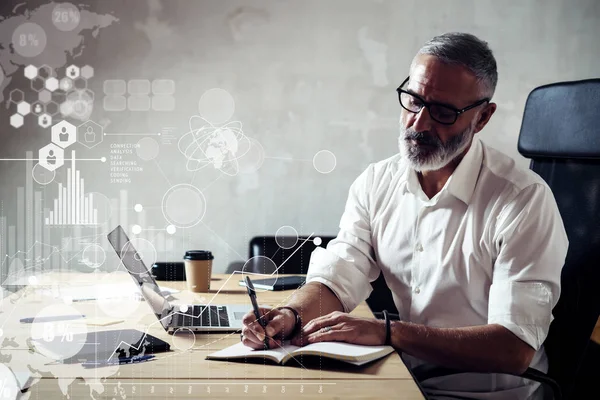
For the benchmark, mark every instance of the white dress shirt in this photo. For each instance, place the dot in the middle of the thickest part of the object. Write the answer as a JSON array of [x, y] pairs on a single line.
[[487, 249]]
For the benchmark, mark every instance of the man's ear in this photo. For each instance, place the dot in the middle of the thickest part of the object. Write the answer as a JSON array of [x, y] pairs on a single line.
[[485, 116]]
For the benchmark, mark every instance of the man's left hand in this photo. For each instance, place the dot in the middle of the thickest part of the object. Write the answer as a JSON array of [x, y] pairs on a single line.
[[342, 327]]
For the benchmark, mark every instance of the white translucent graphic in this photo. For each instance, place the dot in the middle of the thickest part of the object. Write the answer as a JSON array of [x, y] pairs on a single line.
[[184, 339], [143, 251], [81, 104], [286, 237], [208, 145], [90, 134], [138, 208], [51, 84], [29, 39], [317, 241], [136, 229], [252, 156], [216, 106], [147, 149], [184, 206], [121, 303], [30, 71], [93, 256], [64, 134], [58, 340], [183, 308], [23, 108], [51, 157], [260, 267], [324, 161], [9, 387], [171, 229], [101, 204], [16, 120], [65, 17]]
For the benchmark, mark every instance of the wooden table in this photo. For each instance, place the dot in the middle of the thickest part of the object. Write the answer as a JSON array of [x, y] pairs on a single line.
[[184, 372]]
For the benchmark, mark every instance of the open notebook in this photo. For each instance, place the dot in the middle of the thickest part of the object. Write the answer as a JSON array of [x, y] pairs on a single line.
[[351, 353]]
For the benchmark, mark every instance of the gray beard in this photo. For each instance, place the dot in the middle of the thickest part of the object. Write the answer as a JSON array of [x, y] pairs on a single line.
[[436, 156]]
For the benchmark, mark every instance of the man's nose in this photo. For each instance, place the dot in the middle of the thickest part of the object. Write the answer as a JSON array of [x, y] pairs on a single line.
[[421, 121]]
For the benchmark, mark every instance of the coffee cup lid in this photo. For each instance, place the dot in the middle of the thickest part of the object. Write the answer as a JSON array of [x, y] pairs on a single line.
[[198, 255]]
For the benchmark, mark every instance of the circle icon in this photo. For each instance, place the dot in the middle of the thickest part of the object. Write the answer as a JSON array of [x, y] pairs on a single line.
[[171, 229], [136, 229], [324, 161], [66, 17], [216, 106], [58, 339], [121, 304], [317, 241], [147, 149], [41, 175], [286, 237], [93, 256], [138, 208], [9, 387], [29, 39], [139, 251], [184, 339], [183, 205], [260, 267]]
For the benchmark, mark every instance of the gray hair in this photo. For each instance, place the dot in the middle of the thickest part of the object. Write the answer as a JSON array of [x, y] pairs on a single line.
[[469, 51]]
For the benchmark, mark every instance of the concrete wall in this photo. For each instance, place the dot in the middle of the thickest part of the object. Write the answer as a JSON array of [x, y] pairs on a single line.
[[305, 76]]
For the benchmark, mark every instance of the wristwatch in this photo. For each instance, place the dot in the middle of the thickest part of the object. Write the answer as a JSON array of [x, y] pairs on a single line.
[[298, 323]]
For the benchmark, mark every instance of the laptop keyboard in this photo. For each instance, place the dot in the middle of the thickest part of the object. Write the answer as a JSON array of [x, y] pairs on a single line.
[[204, 316]]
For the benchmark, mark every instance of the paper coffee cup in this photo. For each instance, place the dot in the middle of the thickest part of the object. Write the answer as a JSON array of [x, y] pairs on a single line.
[[198, 270]]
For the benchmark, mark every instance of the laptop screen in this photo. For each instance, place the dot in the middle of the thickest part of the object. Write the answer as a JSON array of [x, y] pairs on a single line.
[[140, 274]]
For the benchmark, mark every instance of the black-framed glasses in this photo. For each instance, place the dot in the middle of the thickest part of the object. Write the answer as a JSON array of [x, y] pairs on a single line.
[[442, 113]]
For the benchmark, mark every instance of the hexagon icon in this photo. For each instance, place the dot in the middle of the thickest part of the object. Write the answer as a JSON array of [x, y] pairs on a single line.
[[31, 71], [45, 96], [64, 134], [72, 71], [52, 84], [23, 108], [37, 108], [51, 157], [45, 71], [38, 83], [52, 108], [44, 120], [16, 120], [66, 84], [87, 72], [16, 96], [80, 83], [90, 134]]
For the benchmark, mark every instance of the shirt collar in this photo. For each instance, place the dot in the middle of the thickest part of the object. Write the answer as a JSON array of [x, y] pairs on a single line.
[[461, 183]]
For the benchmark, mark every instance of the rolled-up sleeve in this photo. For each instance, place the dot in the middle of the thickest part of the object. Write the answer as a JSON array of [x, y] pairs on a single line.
[[532, 246], [347, 265]]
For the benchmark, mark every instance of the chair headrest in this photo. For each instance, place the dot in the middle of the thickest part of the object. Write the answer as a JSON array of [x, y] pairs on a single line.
[[562, 120]]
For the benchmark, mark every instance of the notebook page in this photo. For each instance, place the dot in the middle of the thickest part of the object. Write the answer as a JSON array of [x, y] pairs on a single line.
[[239, 350], [347, 351]]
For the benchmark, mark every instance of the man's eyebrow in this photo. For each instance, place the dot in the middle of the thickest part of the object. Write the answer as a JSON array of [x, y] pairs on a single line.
[[452, 106]]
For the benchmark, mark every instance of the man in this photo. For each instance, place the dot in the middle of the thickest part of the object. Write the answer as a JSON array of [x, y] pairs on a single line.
[[470, 244]]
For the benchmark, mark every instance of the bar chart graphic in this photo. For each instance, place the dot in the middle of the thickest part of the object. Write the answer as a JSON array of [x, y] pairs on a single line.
[[73, 206]]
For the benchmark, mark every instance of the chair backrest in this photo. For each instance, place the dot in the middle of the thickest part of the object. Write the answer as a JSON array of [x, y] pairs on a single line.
[[292, 252], [560, 133], [279, 249]]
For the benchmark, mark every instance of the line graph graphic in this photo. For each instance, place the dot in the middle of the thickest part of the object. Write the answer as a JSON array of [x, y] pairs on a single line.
[[176, 312]]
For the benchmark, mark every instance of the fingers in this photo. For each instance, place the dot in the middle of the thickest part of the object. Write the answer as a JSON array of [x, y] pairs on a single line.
[[254, 334], [336, 334], [321, 322]]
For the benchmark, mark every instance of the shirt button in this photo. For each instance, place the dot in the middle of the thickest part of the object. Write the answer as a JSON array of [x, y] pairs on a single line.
[[419, 247], [417, 290]]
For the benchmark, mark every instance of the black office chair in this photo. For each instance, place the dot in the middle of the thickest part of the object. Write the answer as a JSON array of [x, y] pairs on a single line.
[[560, 134], [278, 249]]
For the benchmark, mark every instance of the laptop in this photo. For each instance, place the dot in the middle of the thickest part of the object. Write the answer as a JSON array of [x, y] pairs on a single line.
[[195, 317]]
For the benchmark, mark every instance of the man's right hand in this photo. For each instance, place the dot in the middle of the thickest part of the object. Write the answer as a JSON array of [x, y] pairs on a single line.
[[280, 324]]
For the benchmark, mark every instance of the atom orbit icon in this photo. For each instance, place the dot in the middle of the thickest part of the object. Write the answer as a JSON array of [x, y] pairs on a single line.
[[206, 144]]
